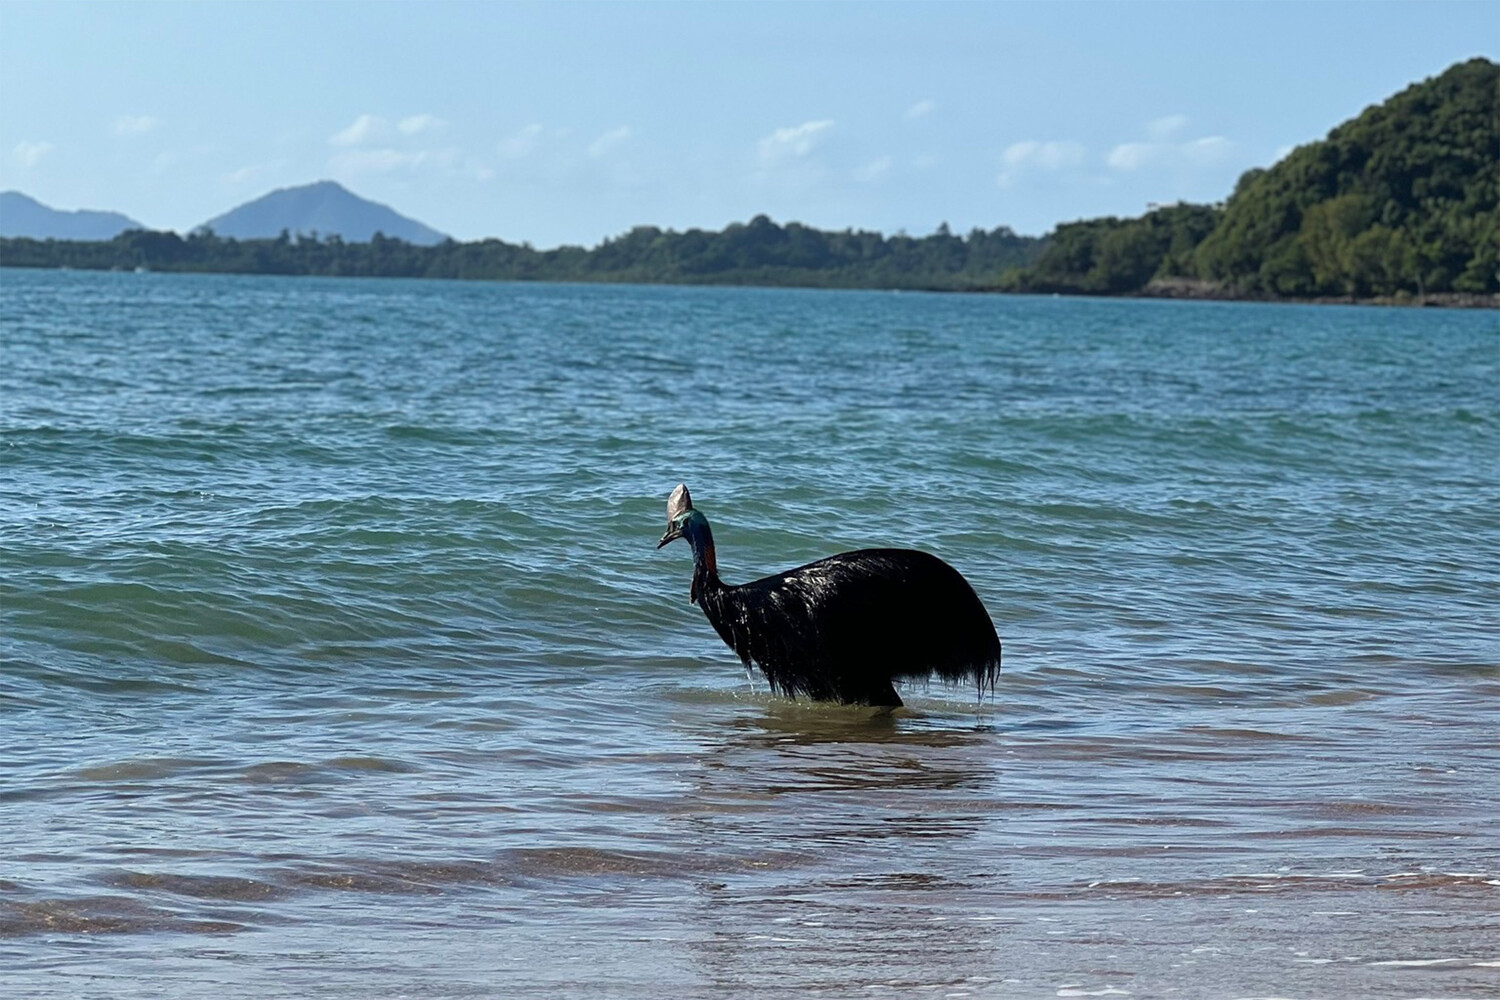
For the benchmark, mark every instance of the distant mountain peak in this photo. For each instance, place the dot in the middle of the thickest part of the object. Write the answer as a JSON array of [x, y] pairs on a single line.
[[22, 215], [324, 207]]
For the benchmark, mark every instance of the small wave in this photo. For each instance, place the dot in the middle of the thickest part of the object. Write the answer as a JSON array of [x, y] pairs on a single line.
[[148, 769], [456, 436], [1429, 963], [101, 915], [391, 878], [568, 862], [1272, 883], [214, 887]]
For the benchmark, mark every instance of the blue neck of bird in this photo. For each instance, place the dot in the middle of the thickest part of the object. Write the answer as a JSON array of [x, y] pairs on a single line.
[[705, 565]]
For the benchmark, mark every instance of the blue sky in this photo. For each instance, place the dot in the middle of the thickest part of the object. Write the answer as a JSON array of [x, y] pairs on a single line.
[[570, 122]]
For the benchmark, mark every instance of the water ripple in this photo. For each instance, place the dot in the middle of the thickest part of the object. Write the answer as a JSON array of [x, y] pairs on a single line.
[[337, 659]]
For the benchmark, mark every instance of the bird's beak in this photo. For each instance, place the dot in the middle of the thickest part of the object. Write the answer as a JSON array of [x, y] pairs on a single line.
[[673, 533]]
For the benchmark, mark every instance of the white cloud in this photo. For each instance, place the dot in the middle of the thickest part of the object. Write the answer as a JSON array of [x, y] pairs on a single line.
[[373, 144], [1048, 156], [1282, 152], [1134, 155], [417, 124], [522, 144], [608, 141], [28, 154], [1164, 128], [792, 143], [128, 125], [1051, 155], [876, 170], [921, 109], [1202, 152], [366, 129], [369, 130]]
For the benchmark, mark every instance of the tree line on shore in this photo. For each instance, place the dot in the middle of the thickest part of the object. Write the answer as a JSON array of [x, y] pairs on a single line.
[[1403, 200], [758, 253]]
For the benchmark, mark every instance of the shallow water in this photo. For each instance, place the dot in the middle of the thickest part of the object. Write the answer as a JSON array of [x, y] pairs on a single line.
[[337, 659]]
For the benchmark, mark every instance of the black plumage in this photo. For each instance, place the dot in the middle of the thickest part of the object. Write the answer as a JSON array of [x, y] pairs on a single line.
[[844, 628]]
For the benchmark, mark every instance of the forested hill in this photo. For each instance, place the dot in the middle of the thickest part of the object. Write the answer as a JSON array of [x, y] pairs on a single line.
[[1403, 200], [759, 253]]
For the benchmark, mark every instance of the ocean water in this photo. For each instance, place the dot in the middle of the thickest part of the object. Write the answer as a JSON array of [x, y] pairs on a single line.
[[338, 659]]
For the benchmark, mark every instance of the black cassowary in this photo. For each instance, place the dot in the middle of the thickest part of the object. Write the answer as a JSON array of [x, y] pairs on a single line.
[[843, 628]]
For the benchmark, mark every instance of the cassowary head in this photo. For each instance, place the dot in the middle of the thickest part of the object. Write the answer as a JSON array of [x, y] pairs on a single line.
[[682, 519], [685, 522]]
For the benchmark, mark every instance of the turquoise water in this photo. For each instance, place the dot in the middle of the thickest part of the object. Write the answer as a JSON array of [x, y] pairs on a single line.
[[338, 659]]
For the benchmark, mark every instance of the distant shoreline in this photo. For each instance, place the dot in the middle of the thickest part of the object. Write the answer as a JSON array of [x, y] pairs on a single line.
[[1174, 289]]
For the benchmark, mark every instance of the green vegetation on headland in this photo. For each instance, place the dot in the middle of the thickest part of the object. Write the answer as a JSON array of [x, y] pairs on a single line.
[[1401, 203]]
